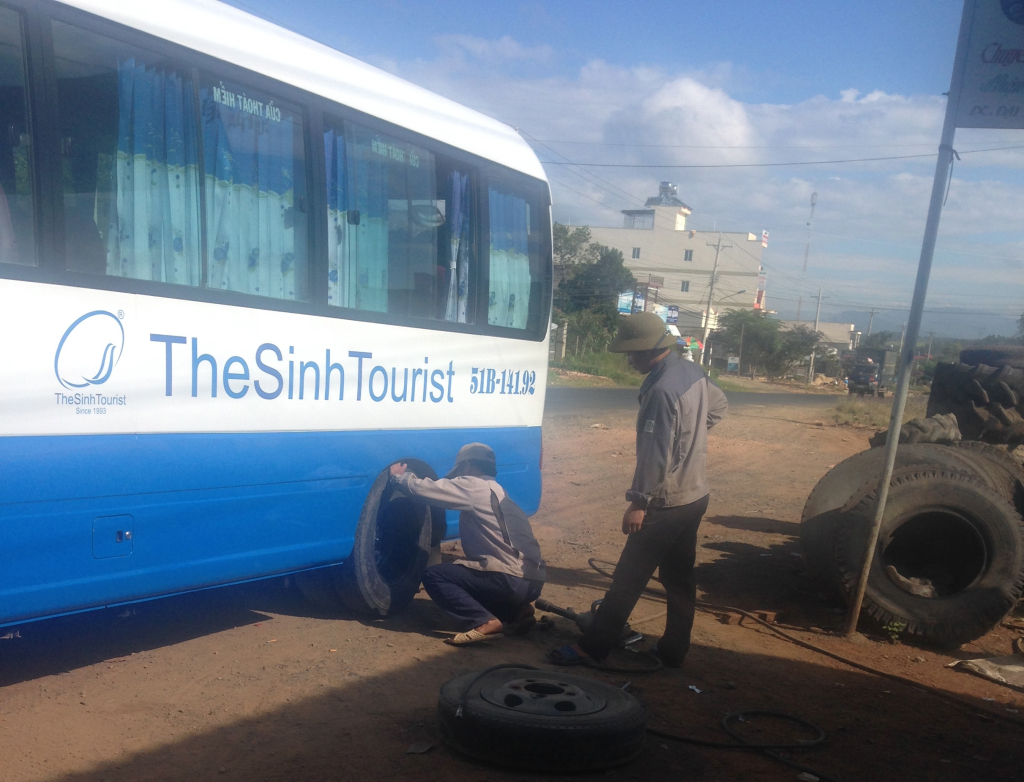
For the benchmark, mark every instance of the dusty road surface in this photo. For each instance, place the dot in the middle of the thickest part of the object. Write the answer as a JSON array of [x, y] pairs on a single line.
[[249, 683]]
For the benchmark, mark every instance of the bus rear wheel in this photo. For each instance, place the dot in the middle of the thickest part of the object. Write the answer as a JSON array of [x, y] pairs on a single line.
[[389, 554]]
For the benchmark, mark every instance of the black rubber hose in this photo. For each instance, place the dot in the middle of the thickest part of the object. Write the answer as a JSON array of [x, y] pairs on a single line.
[[713, 607], [770, 750]]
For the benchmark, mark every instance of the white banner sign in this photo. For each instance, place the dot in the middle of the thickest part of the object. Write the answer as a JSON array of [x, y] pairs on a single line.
[[992, 85], [80, 361]]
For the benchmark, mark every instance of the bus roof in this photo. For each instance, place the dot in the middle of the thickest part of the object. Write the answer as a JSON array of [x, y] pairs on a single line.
[[229, 34]]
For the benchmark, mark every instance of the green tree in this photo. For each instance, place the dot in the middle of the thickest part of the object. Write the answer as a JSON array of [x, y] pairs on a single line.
[[759, 333], [793, 345], [588, 299], [572, 248], [766, 347], [596, 285], [881, 339]]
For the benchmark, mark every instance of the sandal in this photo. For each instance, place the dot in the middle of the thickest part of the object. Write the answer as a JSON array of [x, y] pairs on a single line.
[[568, 656], [468, 638]]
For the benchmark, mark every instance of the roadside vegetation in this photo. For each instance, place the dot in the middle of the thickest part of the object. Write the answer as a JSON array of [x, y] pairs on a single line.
[[874, 413]]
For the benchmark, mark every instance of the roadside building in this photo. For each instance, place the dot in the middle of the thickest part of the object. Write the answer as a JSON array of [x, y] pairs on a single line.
[[838, 337], [673, 264]]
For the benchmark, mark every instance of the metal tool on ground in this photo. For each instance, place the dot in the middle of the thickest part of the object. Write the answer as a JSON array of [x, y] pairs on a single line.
[[629, 636]]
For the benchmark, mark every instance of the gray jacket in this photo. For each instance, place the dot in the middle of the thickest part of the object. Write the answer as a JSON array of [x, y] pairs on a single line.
[[490, 542], [678, 404]]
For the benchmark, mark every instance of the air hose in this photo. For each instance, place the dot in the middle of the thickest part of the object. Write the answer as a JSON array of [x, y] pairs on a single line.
[[595, 564]]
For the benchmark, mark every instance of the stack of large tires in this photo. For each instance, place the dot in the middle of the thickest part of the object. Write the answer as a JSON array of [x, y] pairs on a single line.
[[949, 562], [985, 391]]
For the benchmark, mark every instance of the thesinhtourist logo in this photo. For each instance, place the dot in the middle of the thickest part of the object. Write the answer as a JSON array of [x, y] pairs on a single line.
[[89, 350]]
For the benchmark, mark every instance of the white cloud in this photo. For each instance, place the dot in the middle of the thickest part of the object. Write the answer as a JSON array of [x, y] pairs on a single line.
[[870, 215]]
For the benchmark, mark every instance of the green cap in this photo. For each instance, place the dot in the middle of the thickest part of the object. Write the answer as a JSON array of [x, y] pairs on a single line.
[[642, 331], [474, 452]]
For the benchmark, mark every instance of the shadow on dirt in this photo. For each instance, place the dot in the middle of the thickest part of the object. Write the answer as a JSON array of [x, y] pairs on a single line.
[[362, 726]]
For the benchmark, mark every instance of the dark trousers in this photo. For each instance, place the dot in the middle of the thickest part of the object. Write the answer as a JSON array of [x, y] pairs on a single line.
[[667, 540], [475, 597]]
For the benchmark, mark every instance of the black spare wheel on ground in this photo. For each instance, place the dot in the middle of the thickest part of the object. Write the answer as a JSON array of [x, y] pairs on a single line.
[[949, 562], [389, 554], [541, 721]]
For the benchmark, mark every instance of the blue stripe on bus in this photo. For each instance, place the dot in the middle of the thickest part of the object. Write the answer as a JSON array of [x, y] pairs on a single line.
[[202, 509]]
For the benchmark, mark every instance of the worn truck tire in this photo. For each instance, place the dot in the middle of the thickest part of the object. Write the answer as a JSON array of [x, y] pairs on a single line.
[[475, 722], [389, 553], [949, 562], [846, 484]]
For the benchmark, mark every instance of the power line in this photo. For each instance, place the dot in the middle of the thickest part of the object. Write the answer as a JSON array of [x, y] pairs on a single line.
[[769, 165], [728, 146]]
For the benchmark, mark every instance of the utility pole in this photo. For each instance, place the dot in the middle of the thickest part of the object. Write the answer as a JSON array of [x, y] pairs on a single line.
[[807, 252], [739, 358], [903, 335], [931, 336], [711, 294], [817, 315], [871, 322]]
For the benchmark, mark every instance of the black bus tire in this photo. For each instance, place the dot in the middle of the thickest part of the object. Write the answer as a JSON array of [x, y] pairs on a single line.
[[942, 528], [540, 742], [389, 553]]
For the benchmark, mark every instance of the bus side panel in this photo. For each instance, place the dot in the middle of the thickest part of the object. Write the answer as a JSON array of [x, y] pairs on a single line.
[[201, 509]]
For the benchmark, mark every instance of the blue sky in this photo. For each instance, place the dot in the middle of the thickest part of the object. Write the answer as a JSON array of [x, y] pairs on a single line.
[[734, 81]]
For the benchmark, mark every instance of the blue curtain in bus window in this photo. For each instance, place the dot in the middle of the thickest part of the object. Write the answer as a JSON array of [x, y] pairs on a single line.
[[154, 203], [459, 224], [509, 299], [254, 234]]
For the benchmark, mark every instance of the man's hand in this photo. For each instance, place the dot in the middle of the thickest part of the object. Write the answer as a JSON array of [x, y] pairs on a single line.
[[398, 469], [632, 520]]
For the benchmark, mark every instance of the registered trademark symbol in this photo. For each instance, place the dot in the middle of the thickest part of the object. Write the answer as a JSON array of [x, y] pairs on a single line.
[[120, 314]]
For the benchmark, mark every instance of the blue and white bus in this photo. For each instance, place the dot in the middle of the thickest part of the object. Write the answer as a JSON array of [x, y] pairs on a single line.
[[241, 274]]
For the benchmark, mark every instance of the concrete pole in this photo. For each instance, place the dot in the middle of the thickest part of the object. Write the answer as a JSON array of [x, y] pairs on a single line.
[[807, 252], [739, 358], [564, 336], [924, 268], [871, 322], [817, 316], [931, 336], [711, 296]]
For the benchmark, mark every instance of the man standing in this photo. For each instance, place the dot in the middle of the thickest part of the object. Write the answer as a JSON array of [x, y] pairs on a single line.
[[669, 495]]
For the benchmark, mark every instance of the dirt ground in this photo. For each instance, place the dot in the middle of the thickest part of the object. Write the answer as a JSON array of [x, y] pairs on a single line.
[[250, 683]]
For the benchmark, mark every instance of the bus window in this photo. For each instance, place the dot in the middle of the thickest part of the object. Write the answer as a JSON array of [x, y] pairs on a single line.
[[253, 148], [17, 230], [129, 160], [400, 227], [514, 298]]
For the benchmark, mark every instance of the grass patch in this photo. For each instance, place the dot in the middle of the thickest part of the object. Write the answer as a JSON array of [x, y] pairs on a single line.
[[602, 365], [874, 413], [730, 386]]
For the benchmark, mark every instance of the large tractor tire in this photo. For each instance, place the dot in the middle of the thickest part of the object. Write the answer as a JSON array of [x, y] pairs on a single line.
[[994, 356], [988, 401], [949, 562]]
